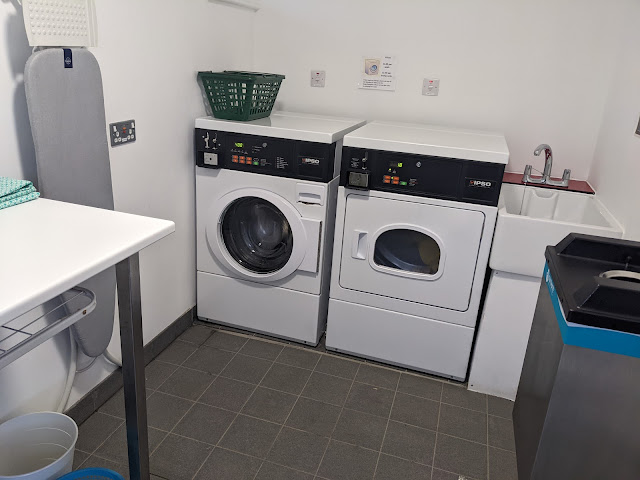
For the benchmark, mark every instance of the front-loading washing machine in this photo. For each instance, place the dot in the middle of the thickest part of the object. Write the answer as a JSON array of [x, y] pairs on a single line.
[[265, 214], [416, 212]]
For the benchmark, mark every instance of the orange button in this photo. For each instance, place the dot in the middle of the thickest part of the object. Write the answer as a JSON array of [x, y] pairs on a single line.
[[234, 159], [241, 159], [395, 182], [249, 159]]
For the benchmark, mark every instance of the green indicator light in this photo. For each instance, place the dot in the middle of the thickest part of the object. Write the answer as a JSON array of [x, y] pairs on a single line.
[[403, 183], [255, 163], [239, 144], [399, 165]]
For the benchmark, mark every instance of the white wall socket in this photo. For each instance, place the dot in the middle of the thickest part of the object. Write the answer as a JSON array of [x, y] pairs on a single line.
[[317, 78], [431, 87]]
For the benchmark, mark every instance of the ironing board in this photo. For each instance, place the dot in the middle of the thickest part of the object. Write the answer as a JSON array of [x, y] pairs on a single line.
[[66, 113], [43, 256]]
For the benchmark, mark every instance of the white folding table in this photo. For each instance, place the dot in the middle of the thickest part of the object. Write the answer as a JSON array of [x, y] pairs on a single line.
[[49, 247]]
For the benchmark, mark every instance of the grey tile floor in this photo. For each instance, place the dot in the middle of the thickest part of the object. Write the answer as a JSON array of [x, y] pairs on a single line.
[[228, 405]]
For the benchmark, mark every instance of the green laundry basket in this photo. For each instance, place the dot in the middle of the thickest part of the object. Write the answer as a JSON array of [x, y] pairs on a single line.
[[240, 95]]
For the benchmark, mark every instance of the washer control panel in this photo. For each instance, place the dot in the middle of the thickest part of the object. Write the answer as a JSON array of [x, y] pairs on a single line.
[[437, 177], [267, 155]]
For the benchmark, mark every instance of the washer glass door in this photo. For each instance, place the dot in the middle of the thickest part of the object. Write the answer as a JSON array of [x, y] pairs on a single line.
[[257, 235]]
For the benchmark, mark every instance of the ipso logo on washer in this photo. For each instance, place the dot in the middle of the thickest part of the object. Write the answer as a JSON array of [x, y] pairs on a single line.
[[311, 161], [480, 183]]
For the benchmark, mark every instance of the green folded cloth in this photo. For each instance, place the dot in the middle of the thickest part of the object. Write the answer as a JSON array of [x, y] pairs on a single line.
[[14, 192]]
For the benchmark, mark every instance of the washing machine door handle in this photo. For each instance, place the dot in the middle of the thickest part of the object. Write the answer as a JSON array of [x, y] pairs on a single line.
[[313, 229], [359, 245]]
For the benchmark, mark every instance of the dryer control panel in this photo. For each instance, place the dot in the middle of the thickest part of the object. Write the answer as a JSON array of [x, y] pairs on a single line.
[[438, 177], [266, 155]]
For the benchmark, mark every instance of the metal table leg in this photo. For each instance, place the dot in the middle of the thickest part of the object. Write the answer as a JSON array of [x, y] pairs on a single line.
[[128, 280]]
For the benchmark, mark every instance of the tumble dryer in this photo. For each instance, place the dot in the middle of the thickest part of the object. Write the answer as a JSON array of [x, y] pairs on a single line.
[[265, 213], [416, 211]]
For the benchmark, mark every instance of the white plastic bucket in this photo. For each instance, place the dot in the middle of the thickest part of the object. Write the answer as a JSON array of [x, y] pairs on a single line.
[[37, 446]]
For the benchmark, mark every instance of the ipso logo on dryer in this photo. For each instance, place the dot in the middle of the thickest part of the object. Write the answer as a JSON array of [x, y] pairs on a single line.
[[480, 183]]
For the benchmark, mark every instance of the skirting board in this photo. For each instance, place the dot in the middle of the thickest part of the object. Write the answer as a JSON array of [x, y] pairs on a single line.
[[102, 392]]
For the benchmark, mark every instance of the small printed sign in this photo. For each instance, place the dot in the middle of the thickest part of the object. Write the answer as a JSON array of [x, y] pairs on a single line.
[[378, 73]]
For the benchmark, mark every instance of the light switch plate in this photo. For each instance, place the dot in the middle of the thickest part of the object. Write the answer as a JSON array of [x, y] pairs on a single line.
[[638, 129], [122, 132], [317, 78], [431, 87]]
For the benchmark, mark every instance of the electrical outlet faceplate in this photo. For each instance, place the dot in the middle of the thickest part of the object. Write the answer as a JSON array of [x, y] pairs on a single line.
[[431, 87], [122, 132], [317, 78]]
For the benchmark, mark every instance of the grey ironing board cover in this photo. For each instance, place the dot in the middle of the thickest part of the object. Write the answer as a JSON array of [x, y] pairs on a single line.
[[66, 111]]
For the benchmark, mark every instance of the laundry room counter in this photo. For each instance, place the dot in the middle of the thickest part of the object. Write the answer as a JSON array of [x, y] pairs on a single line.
[[46, 249]]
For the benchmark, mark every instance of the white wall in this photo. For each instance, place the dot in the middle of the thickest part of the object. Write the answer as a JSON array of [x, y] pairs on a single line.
[[529, 68], [17, 157], [149, 60], [616, 168], [149, 52]]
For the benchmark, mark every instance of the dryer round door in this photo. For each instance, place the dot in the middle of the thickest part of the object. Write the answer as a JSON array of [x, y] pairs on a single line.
[[257, 234]]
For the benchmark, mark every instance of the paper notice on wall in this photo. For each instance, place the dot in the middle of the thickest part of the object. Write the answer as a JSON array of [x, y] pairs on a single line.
[[378, 73]]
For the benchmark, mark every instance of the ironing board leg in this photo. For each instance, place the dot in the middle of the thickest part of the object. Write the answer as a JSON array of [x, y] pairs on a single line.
[[128, 281]]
